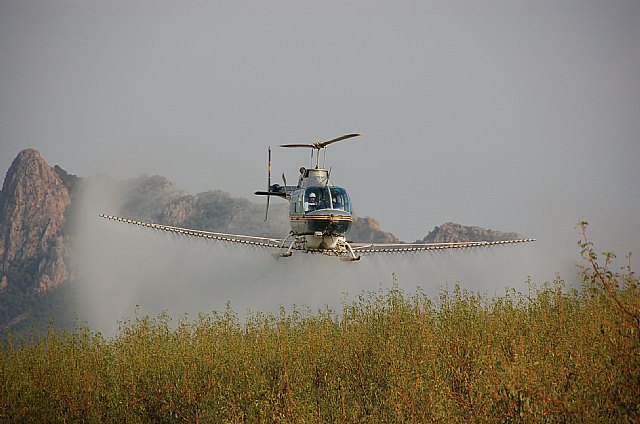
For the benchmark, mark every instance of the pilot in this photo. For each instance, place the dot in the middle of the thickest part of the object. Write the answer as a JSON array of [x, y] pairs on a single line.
[[312, 201]]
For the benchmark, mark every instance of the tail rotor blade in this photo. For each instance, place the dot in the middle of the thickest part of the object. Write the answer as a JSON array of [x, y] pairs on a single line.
[[266, 214], [269, 171]]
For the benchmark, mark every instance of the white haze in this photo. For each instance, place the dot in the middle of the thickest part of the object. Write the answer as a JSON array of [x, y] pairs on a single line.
[[124, 269], [511, 115]]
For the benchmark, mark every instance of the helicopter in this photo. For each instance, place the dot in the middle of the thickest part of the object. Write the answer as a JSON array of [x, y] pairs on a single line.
[[320, 215]]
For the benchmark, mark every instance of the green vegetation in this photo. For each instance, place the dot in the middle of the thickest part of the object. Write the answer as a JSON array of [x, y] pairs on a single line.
[[23, 311], [549, 355]]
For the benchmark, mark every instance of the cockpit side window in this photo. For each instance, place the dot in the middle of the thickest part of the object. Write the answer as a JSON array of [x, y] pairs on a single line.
[[340, 199]]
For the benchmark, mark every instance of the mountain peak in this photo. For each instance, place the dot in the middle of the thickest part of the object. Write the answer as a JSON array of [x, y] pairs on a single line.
[[32, 206], [28, 162]]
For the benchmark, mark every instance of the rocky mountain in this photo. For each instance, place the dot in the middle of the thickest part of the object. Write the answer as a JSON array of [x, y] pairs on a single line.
[[451, 232], [33, 249]]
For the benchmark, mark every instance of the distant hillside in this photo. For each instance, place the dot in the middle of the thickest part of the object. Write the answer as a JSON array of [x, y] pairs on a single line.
[[156, 199], [451, 232]]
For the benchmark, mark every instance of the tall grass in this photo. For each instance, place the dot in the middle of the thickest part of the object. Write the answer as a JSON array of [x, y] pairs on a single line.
[[551, 354]]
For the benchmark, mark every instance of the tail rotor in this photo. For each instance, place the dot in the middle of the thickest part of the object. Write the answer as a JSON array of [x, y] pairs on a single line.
[[266, 214]]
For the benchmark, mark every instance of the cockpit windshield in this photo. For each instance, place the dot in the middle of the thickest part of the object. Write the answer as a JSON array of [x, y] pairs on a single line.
[[316, 198]]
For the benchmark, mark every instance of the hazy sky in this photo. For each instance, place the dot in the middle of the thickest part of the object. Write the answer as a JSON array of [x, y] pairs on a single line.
[[513, 115]]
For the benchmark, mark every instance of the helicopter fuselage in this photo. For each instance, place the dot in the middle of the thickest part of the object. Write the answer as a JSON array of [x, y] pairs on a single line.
[[319, 212]]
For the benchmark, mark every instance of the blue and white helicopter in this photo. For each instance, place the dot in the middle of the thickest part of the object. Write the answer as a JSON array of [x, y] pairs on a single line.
[[320, 214]]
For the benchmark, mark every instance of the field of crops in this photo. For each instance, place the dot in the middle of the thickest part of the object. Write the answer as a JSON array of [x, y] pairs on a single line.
[[550, 354]]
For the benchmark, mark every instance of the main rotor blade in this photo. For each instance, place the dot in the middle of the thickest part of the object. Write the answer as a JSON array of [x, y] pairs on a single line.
[[298, 145], [344, 137], [321, 144]]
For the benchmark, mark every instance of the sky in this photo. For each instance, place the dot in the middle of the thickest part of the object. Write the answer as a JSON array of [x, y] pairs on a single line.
[[511, 115]]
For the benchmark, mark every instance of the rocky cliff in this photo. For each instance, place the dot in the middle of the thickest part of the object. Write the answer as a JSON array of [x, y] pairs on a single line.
[[451, 232], [367, 230], [33, 202]]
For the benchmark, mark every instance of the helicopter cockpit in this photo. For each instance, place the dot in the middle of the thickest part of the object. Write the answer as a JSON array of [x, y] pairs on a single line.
[[321, 197]]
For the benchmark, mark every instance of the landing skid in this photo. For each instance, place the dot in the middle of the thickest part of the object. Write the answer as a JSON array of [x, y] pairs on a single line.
[[351, 254], [289, 251], [341, 249]]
